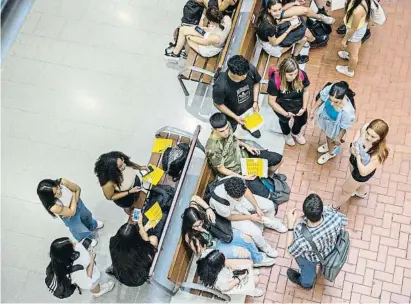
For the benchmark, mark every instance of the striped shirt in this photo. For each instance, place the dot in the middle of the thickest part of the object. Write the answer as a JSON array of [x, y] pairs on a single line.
[[324, 236]]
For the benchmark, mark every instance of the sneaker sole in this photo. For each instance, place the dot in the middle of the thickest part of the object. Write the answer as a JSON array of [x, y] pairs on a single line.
[[171, 58]]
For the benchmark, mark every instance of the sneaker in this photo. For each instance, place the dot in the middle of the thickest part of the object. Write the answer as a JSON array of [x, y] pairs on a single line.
[[100, 225], [183, 54], [168, 54], [319, 41], [360, 195], [344, 55], [327, 19], [257, 293], [270, 251], [104, 288], [301, 59], [325, 158], [342, 30], [266, 262], [275, 224], [367, 35], [93, 243], [343, 69], [323, 148], [256, 272], [110, 270], [299, 138], [289, 140], [306, 45], [294, 276]]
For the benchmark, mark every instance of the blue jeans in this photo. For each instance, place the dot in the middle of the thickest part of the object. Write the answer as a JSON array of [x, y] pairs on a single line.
[[81, 224], [308, 271], [240, 241]]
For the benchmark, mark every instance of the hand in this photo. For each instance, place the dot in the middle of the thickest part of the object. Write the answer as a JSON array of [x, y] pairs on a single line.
[[148, 226], [256, 218], [92, 255], [232, 2], [211, 215], [294, 26], [337, 142], [299, 2], [256, 107], [260, 212], [344, 42], [291, 218], [242, 276], [301, 112], [239, 120], [250, 177], [290, 114], [352, 149], [140, 221], [252, 150], [134, 190], [143, 168]]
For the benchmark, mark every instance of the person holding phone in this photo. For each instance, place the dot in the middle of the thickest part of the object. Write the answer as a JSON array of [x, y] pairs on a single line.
[[206, 41], [120, 178], [61, 198]]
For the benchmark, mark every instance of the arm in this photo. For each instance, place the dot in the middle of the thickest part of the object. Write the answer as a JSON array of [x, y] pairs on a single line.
[[73, 188], [224, 4], [306, 96], [239, 217], [256, 93], [250, 197], [142, 231], [199, 201], [70, 211], [366, 169], [227, 172], [138, 167], [223, 109], [91, 265], [272, 102], [211, 39], [109, 193], [276, 41]]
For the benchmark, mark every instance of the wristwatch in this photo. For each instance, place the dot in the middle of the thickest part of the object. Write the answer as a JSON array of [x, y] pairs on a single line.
[[290, 229]]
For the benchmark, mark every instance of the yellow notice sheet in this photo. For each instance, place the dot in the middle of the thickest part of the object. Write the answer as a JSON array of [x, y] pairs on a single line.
[[154, 214], [161, 144], [254, 166], [155, 176], [253, 122]]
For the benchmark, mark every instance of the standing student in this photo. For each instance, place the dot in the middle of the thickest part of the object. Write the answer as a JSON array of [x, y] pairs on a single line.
[[62, 198], [236, 91], [357, 16], [335, 114], [288, 97], [368, 151]]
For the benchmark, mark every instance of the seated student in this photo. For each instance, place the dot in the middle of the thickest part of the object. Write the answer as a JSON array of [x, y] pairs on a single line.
[[224, 152], [217, 271], [238, 204], [197, 234], [207, 44], [236, 91], [275, 14], [119, 178]]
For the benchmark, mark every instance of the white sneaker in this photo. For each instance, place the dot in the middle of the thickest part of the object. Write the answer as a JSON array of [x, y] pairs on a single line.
[[299, 138], [275, 224], [256, 272], [104, 288], [257, 293], [325, 158], [289, 140], [344, 55], [266, 262], [327, 19], [360, 195], [343, 69], [323, 148], [100, 225], [93, 243], [270, 251]]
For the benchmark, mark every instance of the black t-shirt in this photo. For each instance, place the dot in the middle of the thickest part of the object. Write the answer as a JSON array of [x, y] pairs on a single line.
[[290, 101], [265, 30], [237, 96]]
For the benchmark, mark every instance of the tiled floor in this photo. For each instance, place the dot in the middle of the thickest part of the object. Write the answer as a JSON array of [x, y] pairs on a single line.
[[379, 265]]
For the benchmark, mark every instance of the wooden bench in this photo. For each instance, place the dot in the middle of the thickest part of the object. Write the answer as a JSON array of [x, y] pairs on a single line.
[[201, 69]]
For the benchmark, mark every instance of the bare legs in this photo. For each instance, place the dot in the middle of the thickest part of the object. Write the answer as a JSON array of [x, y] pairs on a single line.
[[353, 49], [349, 187], [181, 40], [299, 46]]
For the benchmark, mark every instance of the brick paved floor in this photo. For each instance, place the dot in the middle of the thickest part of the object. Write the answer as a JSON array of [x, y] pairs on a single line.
[[379, 264]]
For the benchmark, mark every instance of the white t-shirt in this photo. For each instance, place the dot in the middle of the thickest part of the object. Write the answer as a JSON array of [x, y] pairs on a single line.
[[80, 277], [236, 206], [66, 196]]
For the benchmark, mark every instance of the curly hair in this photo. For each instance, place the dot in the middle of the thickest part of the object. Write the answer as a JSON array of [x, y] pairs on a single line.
[[235, 187], [238, 65], [106, 168], [313, 207]]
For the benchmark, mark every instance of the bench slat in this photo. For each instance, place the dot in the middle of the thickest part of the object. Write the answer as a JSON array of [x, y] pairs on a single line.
[[211, 66]]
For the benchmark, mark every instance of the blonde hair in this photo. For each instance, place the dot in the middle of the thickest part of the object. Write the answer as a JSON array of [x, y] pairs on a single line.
[[379, 148], [289, 65]]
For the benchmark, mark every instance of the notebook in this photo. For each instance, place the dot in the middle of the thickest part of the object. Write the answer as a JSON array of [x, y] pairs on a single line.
[[253, 122], [254, 166], [155, 176], [154, 214], [161, 144]]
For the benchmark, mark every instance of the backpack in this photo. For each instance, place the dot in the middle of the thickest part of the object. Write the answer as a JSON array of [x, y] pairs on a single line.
[[192, 13], [278, 188], [163, 194], [174, 159], [210, 192], [63, 289], [377, 13], [318, 28], [273, 72]]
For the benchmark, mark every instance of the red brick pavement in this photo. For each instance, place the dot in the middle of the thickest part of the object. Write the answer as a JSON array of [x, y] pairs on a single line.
[[379, 264]]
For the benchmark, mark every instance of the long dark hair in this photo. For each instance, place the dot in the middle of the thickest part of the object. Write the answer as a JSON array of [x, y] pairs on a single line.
[[265, 16], [106, 167], [340, 89], [46, 194], [192, 215], [195, 239], [131, 255], [62, 255], [356, 3], [213, 14], [209, 267]]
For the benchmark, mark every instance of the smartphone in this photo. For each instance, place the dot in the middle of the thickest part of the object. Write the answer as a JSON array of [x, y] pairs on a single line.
[[136, 214], [239, 272], [200, 30], [295, 21], [148, 171]]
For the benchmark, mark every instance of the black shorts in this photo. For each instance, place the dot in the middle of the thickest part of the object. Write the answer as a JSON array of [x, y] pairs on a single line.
[[273, 158], [356, 173], [129, 199]]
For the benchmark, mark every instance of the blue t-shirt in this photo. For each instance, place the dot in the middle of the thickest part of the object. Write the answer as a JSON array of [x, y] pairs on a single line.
[[331, 112]]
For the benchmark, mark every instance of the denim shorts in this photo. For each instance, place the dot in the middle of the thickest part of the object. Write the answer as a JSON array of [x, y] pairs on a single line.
[[358, 34]]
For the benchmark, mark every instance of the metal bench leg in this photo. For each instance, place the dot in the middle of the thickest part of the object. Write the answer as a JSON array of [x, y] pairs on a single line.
[[201, 287], [183, 86]]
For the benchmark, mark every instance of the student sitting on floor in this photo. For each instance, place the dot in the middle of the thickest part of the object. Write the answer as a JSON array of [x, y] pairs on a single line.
[[206, 41]]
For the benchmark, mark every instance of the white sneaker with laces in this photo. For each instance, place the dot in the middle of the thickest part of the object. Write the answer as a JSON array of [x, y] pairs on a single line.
[[104, 288], [93, 243], [289, 140], [257, 293], [266, 262], [323, 148], [343, 69], [270, 251], [299, 138], [100, 225], [275, 224], [325, 158], [344, 55]]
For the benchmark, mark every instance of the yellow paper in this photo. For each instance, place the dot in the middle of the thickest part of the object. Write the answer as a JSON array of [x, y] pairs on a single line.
[[254, 166], [155, 176], [154, 214], [253, 121], [161, 144]]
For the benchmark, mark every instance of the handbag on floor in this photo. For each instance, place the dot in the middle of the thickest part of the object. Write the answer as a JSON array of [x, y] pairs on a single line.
[[293, 36], [334, 262], [377, 13]]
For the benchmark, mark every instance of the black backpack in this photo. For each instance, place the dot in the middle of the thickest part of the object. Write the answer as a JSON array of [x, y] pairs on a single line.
[[174, 159], [63, 289], [210, 192], [318, 28], [192, 13]]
